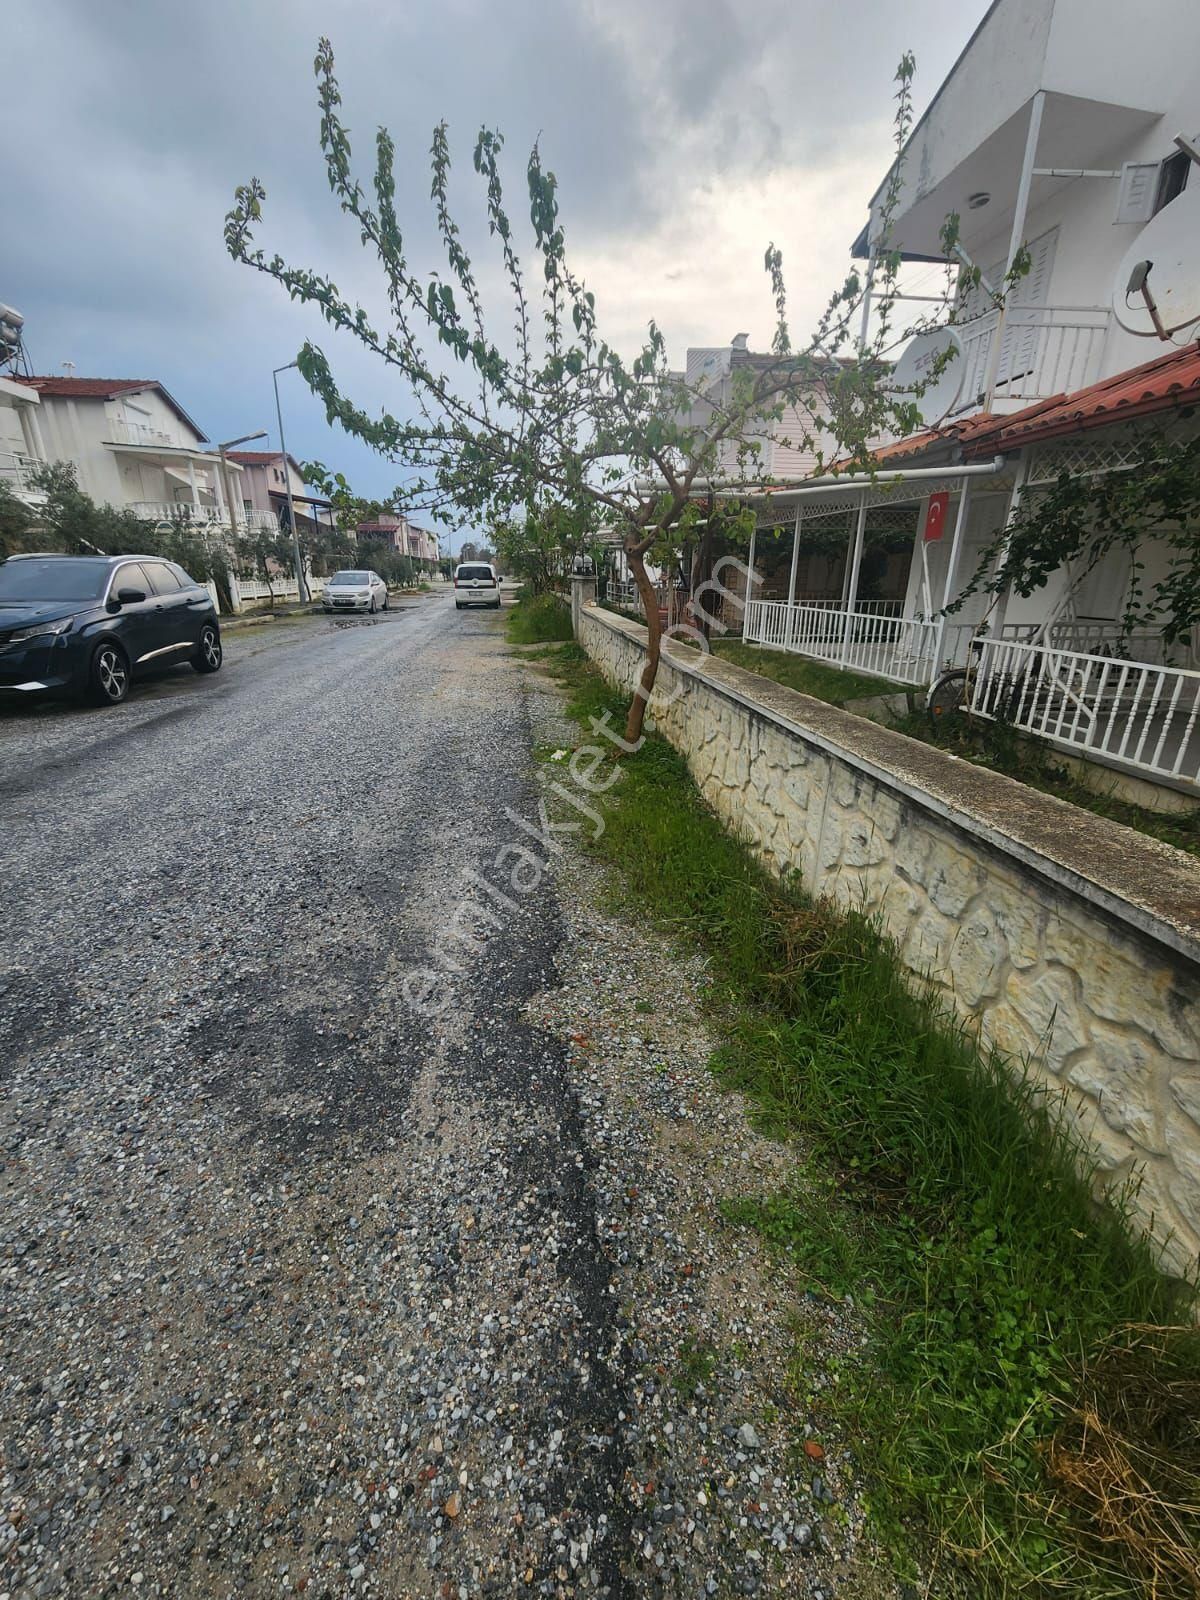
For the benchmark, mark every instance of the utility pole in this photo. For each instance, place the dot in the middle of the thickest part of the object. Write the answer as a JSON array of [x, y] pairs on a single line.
[[301, 586]]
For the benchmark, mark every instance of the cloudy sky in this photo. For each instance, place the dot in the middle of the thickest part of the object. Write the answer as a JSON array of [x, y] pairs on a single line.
[[685, 134]]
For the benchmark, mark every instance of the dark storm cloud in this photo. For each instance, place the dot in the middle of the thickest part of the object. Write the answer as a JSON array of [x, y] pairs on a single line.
[[128, 124]]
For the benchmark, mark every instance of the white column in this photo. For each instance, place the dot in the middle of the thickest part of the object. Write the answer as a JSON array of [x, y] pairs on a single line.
[[849, 558], [956, 540], [750, 578], [960, 528], [1016, 240], [194, 484], [1013, 505], [31, 434], [866, 310], [790, 629], [855, 564]]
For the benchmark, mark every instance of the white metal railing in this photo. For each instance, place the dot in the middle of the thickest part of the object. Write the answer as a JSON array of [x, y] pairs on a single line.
[[622, 594], [1045, 350], [17, 470], [258, 521], [1136, 713], [1097, 637], [881, 644], [119, 431]]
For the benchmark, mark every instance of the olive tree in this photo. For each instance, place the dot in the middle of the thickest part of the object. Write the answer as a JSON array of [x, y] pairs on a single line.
[[491, 425]]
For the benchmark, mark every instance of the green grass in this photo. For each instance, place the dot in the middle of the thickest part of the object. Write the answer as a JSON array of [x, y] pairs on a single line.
[[697, 1364], [988, 744], [937, 1186], [539, 619], [816, 678]]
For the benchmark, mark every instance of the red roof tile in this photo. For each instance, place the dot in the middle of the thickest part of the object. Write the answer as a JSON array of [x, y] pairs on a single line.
[[917, 443], [261, 458], [88, 388], [1168, 382]]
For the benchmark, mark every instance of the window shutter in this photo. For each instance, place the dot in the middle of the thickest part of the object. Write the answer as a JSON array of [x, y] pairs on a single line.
[[1139, 186], [1022, 335]]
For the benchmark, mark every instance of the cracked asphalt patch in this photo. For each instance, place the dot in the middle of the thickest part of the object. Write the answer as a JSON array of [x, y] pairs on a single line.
[[301, 1293]]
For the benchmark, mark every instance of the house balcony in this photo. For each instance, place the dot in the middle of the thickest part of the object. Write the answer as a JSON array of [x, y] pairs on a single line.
[[142, 436], [203, 517], [1044, 351], [17, 470]]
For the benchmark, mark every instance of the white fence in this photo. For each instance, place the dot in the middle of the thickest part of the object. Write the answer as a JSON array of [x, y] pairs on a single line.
[[1097, 637], [280, 588], [1135, 713], [878, 641]]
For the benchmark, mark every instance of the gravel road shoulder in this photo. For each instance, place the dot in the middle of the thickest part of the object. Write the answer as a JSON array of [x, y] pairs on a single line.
[[730, 1488]]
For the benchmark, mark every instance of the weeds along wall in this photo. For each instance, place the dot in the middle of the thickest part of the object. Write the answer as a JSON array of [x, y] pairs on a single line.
[[1064, 939]]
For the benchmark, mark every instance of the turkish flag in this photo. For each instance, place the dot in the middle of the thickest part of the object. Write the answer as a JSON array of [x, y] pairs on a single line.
[[936, 508]]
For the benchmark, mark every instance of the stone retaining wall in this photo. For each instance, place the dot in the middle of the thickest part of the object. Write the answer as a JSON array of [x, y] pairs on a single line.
[[1064, 938]]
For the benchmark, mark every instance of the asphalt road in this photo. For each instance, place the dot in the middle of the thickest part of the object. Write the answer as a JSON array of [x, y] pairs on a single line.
[[240, 1175], [304, 1291]]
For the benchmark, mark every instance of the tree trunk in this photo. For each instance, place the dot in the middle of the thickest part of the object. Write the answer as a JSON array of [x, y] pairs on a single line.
[[637, 710], [700, 574]]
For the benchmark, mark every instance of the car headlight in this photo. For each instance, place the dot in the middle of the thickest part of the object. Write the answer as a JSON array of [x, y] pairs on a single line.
[[40, 630]]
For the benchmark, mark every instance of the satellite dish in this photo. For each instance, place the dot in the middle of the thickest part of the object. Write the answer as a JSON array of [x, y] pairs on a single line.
[[918, 362], [1156, 291]]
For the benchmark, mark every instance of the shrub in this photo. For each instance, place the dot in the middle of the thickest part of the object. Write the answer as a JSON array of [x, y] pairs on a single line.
[[541, 619]]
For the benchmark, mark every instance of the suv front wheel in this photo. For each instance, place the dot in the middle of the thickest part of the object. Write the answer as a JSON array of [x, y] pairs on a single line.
[[108, 676]]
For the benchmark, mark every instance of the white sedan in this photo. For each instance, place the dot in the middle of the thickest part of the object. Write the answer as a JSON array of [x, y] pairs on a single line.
[[355, 591]]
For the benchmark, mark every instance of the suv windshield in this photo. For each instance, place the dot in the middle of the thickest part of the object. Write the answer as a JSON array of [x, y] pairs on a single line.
[[358, 578], [476, 572], [54, 578]]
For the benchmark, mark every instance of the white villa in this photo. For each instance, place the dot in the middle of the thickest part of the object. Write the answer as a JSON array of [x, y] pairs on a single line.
[[1078, 140], [132, 443], [134, 447]]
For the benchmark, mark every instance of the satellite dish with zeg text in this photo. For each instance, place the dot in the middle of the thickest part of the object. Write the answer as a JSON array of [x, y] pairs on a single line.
[[917, 363], [1156, 292]]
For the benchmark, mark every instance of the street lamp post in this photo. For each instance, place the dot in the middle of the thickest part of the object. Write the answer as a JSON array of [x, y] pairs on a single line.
[[301, 586]]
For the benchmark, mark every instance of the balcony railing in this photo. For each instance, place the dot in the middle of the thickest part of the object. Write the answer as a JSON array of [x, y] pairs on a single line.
[[204, 516], [178, 511], [119, 431], [16, 470], [1134, 714], [1045, 350]]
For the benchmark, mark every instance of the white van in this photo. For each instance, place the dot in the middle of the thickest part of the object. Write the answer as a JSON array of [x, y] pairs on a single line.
[[476, 584]]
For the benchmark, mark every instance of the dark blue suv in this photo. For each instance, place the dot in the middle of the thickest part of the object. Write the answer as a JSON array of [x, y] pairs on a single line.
[[86, 625]]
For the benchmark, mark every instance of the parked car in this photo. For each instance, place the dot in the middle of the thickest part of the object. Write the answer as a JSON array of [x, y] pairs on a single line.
[[476, 584], [355, 591], [87, 625]]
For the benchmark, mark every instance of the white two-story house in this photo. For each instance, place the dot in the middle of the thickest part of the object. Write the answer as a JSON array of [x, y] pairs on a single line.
[[133, 446], [1067, 131]]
